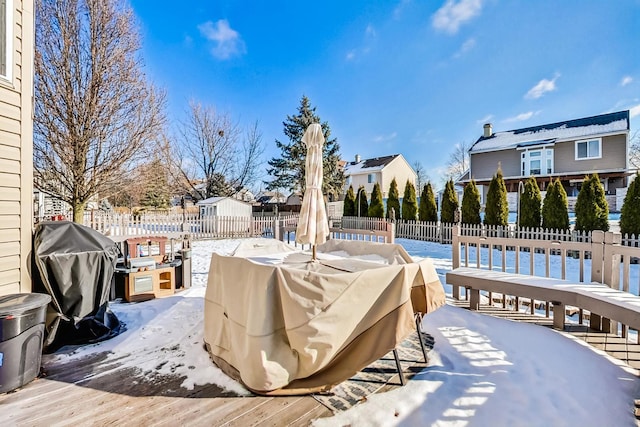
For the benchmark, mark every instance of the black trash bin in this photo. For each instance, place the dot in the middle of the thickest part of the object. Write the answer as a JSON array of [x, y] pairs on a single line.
[[22, 318]]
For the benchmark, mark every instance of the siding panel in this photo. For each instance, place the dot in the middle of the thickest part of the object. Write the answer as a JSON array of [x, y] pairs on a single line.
[[9, 262], [614, 156], [9, 166], [9, 96], [10, 111], [9, 277], [9, 248], [10, 194], [485, 165], [9, 208], [10, 125], [9, 221], [9, 180], [11, 288], [10, 139], [9, 235], [8, 152]]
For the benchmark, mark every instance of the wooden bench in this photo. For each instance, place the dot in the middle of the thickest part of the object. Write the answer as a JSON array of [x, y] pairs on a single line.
[[597, 298]]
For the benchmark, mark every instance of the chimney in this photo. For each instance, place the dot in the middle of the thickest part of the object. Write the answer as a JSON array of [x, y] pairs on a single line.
[[488, 131], [357, 158]]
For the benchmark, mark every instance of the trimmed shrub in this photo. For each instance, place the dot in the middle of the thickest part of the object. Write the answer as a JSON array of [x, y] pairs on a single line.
[[393, 201], [555, 208], [349, 203], [497, 209], [409, 202], [592, 209], [361, 200], [471, 204], [630, 212], [530, 205], [449, 203], [376, 208], [428, 208]]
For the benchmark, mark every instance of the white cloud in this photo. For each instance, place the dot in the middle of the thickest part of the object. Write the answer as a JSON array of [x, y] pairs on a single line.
[[521, 117], [385, 138], [370, 31], [227, 41], [542, 87], [485, 119], [634, 111], [626, 80], [397, 12], [466, 47], [453, 14]]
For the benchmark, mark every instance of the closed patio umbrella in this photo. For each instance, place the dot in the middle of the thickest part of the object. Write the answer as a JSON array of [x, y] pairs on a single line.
[[313, 227]]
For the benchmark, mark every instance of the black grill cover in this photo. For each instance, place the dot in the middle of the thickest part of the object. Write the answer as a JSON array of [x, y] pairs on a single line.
[[75, 265]]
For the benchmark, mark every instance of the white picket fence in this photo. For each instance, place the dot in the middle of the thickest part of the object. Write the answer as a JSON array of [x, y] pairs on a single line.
[[122, 226]]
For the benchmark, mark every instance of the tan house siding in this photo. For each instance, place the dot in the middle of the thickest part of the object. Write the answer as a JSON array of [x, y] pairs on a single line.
[[614, 156], [401, 171], [485, 165], [16, 151]]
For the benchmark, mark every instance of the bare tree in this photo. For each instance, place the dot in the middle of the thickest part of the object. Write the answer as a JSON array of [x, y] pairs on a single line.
[[458, 160], [634, 150], [421, 175], [94, 109], [213, 156]]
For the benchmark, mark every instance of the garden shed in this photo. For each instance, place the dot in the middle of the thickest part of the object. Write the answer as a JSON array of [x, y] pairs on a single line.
[[224, 206]]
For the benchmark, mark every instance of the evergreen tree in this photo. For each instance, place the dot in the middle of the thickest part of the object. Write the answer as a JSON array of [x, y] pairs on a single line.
[[349, 203], [288, 170], [449, 203], [428, 207], [471, 204], [376, 208], [530, 205], [592, 209], [156, 189], [630, 212], [361, 200], [555, 208], [393, 201], [409, 202], [497, 208]]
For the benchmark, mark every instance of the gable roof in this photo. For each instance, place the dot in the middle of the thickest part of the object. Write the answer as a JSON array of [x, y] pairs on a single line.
[[217, 199], [369, 165], [550, 133]]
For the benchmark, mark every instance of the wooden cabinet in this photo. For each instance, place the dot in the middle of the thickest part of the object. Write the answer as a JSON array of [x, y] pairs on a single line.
[[144, 285]]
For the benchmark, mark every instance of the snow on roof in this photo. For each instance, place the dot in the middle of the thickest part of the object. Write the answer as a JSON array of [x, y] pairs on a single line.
[[217, 199], [547, 134], [368, 165]]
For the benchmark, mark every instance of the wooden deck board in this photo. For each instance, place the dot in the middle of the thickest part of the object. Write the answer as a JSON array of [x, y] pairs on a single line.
[[100, 391]]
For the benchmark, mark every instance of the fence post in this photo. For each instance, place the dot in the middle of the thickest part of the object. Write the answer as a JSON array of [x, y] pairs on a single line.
[[392, 232], [611, 273], [597, 261], [455, 259]]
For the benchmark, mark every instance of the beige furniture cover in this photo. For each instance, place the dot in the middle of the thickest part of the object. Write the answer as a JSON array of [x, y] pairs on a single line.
[[283, 324]]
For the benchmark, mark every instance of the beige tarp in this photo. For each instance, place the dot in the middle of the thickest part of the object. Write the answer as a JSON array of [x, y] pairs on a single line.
[[285, 325]]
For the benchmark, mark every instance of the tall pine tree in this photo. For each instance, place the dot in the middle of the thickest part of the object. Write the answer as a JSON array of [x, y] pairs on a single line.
[[555, 212], [471, 204], [630, 212], [288, 171], [409, 202], [497, 210], [376, 208], [428, 207], [362, 205], [449, 203], [530, 205], [393, 201], [349, 203]]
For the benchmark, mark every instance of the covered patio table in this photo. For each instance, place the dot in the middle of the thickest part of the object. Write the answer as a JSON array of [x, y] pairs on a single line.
[[283, 324]]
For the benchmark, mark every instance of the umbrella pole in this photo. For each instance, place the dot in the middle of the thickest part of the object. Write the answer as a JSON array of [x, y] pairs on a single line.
[[313, 252]]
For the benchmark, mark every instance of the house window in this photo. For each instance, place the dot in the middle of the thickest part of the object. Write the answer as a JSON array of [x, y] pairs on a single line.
[[537, 162], [589, 149], [371, 178], [5, 38]]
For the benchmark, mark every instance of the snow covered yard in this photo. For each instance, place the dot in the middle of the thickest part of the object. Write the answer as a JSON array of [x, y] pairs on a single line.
[[483, 370]]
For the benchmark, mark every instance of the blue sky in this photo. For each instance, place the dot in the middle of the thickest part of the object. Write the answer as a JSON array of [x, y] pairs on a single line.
[[406, 76]]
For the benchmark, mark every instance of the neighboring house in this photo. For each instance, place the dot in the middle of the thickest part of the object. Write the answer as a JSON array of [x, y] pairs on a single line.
[[244, 194], [270, 198], [224, 206], [381, 170], [567, 150], [294, 199], [16, 144]]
